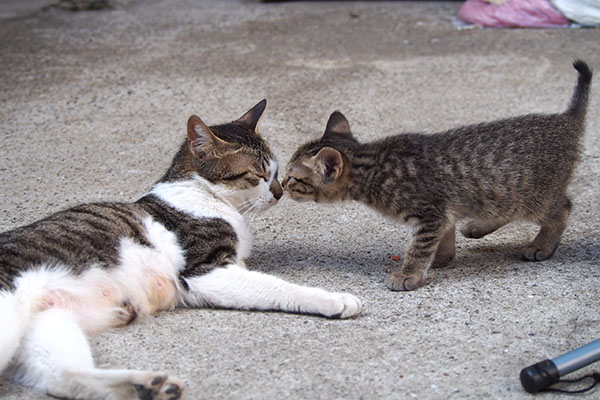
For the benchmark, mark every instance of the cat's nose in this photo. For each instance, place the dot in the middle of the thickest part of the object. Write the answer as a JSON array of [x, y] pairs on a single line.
[[284, 182], [276, 189]]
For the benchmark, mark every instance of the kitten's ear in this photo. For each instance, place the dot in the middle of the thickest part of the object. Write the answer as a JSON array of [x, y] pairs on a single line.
[[329, 163], [202, 141], [337, 126], [252, 117]]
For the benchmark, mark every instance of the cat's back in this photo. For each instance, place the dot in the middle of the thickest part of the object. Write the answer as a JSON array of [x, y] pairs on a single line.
[[76, 237]]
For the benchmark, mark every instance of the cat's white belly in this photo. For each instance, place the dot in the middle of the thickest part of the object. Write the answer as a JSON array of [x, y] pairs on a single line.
[[148, 276], [145, 281]]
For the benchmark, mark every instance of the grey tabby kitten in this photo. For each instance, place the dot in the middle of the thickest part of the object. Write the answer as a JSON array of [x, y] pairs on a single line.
[[97, 266], [490, 173]]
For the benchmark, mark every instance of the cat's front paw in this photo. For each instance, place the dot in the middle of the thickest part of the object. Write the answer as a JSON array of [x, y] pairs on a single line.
[[342, 305], [400, 282], [125, 314]]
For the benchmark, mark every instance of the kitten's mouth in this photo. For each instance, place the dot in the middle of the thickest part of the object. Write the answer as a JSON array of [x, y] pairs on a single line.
[[299, 197], [306, 194]]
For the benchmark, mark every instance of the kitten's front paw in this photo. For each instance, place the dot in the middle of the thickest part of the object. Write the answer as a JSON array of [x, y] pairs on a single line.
[[343, 305], [399, 282]]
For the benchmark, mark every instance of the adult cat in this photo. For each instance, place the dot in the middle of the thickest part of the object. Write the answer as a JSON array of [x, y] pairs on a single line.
[[490, 173], [98, 266]]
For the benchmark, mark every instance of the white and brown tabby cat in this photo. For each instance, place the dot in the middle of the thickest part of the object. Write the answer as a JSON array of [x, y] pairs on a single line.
[[490, 174], [97, 266]]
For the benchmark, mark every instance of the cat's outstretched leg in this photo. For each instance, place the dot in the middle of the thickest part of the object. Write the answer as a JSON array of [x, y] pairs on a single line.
[[419, 255], [54, 357], [478, 228], [552, 227], [236, 287]]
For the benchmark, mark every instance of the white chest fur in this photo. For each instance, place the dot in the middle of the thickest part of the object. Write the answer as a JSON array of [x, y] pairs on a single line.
[[197, 198]]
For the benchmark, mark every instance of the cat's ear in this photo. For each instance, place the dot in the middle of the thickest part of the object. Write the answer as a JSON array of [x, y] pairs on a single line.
[[203, 143], [329, 163], [337, 126], [252, 117]]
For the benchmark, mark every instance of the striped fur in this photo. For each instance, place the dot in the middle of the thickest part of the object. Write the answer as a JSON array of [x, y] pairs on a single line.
[[98, 266], [490, 174]]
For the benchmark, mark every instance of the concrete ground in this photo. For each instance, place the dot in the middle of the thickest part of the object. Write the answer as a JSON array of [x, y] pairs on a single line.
[[93, 106]]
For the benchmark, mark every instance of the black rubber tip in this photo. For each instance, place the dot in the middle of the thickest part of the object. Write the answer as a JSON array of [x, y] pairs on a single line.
[[539, 376]]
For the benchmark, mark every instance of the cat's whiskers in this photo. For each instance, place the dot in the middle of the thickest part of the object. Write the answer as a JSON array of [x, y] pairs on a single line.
[[251, 211], [245, 205]]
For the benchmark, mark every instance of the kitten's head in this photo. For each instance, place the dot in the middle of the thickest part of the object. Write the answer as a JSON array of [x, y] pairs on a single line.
[[236, 160], [319, 170]]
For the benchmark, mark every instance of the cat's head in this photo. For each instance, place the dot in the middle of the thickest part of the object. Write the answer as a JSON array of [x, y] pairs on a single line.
[[319, 170], [236, 160]]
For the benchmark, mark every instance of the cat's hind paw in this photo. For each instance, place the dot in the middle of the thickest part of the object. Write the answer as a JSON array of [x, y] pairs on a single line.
[[159, 387]]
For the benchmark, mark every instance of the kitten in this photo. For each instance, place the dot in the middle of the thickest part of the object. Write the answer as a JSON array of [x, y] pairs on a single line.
[[490, 173], [98, 266]]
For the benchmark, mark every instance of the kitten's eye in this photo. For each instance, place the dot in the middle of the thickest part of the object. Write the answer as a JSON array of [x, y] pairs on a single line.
[[299, 180], [299, 186]]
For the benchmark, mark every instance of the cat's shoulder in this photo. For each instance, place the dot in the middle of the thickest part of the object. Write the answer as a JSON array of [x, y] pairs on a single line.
[[200, 199]]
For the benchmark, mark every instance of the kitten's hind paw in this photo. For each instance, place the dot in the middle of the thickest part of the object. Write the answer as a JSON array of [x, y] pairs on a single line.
[[477, 229], [535, 253], [399, 282]]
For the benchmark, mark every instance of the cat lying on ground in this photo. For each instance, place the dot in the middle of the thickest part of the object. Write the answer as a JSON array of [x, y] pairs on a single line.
[[490, 174], [97, 266]]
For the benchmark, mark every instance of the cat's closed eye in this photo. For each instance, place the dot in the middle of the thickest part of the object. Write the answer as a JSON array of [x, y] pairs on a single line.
[[245, 179], [236, 176]]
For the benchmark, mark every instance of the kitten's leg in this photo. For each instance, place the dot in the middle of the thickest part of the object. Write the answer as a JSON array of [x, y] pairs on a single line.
[[446, 249], [552, 227], [55, 358], [235, 287], [418, 256], [476, 229]]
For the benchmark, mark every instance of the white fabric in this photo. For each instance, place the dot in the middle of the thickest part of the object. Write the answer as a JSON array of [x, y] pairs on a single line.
[[584, 12]]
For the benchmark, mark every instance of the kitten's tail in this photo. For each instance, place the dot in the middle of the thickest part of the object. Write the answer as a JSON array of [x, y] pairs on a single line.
[[578, 105]]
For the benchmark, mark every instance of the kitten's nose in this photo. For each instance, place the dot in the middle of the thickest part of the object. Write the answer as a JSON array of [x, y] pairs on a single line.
[[284, 182]]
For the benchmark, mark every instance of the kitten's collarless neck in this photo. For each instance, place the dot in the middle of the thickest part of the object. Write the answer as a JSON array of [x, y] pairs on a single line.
[[363, 164]]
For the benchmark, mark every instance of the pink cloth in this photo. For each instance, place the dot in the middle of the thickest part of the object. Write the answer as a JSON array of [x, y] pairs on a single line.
[[513, 13]]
